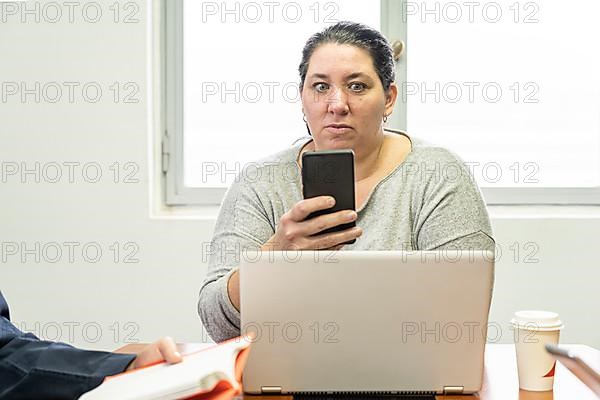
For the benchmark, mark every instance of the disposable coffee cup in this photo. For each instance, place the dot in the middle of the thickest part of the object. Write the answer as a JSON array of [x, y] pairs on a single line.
[[533, 330]]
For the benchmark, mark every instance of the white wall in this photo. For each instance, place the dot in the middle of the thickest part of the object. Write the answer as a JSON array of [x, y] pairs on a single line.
[[159, 293]]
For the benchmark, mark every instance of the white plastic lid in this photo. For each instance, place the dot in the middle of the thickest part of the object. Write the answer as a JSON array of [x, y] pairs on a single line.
[[536, 320]]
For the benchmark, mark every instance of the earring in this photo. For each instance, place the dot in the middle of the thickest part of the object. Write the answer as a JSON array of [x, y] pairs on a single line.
[[385, 118], [306, 123]]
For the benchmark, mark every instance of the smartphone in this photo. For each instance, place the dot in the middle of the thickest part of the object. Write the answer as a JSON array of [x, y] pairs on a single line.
[[330, 173]]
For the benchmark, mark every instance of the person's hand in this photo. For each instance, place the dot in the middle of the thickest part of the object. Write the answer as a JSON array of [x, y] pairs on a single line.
[[296, 233], [163, 349]]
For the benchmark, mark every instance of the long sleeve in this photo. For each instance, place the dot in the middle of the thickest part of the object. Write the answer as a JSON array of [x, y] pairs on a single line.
[[452, 213], [421, 211], [35, 369], [242, 227]]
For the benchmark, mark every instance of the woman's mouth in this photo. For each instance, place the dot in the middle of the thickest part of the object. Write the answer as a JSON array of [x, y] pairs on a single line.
[[338, 128]]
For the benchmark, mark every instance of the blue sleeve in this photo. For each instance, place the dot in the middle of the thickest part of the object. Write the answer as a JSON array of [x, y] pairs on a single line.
[[35, 369]]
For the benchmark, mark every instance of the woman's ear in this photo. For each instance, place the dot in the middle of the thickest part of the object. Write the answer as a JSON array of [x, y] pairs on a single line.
[[390, 98]]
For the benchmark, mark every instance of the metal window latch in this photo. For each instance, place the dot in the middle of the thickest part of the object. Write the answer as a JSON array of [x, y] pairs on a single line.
[[165, 153]]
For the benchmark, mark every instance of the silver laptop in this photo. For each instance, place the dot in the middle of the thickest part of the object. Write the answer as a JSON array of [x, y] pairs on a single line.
[[381, 322]]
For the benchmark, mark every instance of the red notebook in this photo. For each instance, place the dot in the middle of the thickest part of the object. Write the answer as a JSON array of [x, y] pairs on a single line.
[[211, 373]]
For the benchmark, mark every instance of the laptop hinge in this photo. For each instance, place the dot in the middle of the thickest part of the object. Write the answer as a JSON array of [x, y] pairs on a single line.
[[270, 389], [452, 390]]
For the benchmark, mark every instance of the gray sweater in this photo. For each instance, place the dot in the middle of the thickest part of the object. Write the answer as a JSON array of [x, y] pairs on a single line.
[[429, 202]]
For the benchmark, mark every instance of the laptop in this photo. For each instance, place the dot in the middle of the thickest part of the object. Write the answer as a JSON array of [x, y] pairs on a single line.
[[366, 322]]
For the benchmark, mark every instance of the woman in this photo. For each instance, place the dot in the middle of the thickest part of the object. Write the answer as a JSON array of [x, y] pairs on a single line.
[[409, 195]]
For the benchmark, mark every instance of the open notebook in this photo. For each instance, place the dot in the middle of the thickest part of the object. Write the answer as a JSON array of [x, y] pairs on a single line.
[[211, 373]]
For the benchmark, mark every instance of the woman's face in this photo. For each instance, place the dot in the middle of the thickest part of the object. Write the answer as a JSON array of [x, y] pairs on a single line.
[[343, 98]]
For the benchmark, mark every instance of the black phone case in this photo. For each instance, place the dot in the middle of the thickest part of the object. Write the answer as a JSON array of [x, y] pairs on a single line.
[[330, 173]]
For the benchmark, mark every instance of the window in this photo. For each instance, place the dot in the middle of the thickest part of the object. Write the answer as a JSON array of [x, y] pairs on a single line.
[[495, 83], [232, 85], [246, 103], [514, 88]]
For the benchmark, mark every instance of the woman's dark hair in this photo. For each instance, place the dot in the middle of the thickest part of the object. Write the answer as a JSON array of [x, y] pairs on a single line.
[[358, 35]]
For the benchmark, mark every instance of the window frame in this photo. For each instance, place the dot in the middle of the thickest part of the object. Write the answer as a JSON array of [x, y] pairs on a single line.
[[176, 194]]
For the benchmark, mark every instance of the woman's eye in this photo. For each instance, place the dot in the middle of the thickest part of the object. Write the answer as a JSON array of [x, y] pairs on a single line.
[[320, 86], [357, 87]]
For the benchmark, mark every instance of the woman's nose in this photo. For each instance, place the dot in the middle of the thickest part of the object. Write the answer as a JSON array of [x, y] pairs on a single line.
[[337, 102]]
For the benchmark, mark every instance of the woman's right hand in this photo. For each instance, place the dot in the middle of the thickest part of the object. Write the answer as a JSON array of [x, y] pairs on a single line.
[[294, 232]]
